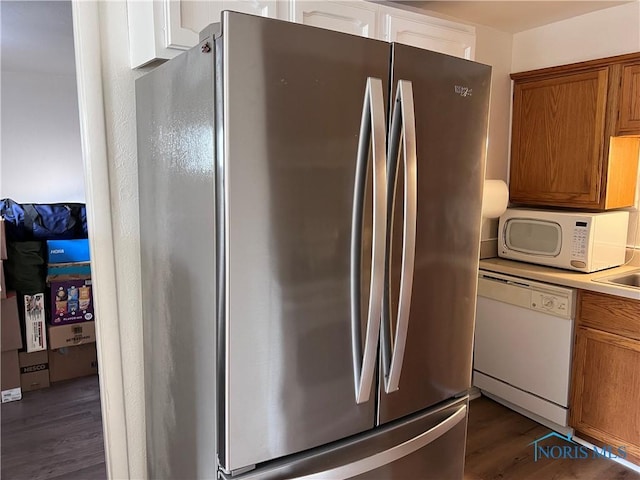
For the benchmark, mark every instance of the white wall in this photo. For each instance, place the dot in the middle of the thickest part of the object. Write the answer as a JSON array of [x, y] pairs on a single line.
[[493, 47], [119, 107], [604, 33], [599, 34], [41, 154]]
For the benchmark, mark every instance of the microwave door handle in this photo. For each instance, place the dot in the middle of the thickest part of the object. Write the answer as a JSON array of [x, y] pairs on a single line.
[[372, 138], [403, 130]]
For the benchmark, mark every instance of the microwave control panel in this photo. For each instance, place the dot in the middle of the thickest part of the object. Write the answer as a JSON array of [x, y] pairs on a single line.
[[579, 241]]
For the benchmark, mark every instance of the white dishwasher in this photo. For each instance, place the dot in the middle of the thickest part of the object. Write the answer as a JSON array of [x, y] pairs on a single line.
[[523, 344]]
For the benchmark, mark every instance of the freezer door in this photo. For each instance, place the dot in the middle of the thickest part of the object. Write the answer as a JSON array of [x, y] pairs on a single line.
[[297, 235], [430, 446], [450, 101]]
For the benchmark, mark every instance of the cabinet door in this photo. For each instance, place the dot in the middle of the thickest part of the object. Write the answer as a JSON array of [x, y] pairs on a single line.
[[629, 122], [610, 314], [356, 17], [160, 30], [196, 15], [606, 389], [429, 33], [557, 150]]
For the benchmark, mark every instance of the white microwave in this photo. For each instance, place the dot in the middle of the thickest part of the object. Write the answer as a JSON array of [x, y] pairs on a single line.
[[586, 242]]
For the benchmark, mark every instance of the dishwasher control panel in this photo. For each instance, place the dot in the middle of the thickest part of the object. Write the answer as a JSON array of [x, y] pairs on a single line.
[[551, 303], [540, 297]]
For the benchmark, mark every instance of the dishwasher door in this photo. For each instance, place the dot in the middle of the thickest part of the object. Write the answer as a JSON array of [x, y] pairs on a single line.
[[524, 337]]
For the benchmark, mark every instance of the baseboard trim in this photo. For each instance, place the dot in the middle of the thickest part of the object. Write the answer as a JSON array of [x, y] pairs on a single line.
[[621, 461], [474, 392]]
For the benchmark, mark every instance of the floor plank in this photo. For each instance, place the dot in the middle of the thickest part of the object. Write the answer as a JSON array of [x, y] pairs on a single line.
[[54, 433], [498, 447]]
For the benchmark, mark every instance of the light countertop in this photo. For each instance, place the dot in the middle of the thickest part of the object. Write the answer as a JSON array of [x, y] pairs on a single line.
[[565, 278]]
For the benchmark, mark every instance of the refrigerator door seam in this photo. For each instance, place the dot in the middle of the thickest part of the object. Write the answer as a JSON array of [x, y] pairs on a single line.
[[402, 133], [371, 138]]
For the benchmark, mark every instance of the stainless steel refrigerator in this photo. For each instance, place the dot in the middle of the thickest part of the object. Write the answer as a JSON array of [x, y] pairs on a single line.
[[310, 225]]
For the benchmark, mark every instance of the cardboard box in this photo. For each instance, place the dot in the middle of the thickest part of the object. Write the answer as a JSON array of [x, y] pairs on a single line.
[[34, 370], [70, 335], [71, 302], [3, 241], [11, 337], [67, 251], [59, 272], [10, 377], [34, 323], [73, 362]]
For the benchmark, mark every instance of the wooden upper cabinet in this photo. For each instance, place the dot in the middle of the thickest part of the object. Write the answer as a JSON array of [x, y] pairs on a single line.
[[629, 120], [566, 148], [555, 157]]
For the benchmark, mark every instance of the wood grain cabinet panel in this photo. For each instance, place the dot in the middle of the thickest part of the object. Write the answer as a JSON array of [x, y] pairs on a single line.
[[605, 387], [555, 158], [630, 101], [566, 148], [610, 314]]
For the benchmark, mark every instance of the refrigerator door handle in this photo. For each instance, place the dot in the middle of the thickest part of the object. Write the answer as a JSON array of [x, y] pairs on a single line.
[[402, 133], [380, 459], [372, 139]]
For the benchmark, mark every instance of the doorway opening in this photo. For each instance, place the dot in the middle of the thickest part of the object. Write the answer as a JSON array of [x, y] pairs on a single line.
[[51, 413]]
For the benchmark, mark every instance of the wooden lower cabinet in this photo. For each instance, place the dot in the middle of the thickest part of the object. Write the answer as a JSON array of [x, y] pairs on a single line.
[[605, 398]]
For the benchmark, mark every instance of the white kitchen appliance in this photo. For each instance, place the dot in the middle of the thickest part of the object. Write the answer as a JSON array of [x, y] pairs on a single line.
[[586, 242], [523, 343]]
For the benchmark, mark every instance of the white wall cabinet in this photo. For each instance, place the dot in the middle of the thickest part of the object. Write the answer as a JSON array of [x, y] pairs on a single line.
[[196, 15], [161, 29], [356, 18], [427, 32]]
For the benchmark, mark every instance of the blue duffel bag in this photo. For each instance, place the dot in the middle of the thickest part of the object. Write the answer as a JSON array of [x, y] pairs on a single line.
[[58, 221]]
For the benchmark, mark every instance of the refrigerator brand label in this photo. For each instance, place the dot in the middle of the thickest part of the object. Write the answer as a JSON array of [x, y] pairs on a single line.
[[463, 91]]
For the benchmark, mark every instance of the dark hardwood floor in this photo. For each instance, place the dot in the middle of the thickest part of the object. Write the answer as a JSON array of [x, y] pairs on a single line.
[[56, 434], [498, 448]]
